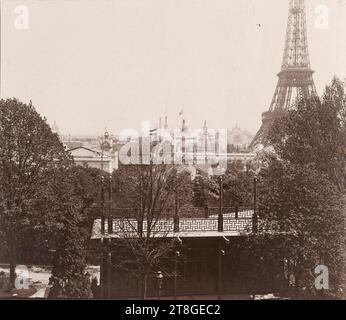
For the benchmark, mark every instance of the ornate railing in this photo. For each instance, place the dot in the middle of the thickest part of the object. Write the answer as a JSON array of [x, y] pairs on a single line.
[[191, 225], [240, 222]]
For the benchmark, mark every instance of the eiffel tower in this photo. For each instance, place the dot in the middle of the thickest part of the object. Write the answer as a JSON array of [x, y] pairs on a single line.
[[295, 78]]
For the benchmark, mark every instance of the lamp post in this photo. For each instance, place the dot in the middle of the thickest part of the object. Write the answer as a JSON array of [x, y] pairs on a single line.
[[110, 200], [220, 218], [177, 255], [159, 282], [102, 206], [176, 211], [101, 141]]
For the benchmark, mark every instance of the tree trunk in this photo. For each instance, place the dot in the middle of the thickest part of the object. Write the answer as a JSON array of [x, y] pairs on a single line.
[[13, 258], [138, 289], [145, 290]]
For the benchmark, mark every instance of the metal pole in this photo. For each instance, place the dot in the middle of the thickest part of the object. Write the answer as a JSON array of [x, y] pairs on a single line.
[[175, 276], [176, 214], [102, 208], [150, 214], [220, 219], [159, 280], [110, 199], [103, 269], [140, 211]]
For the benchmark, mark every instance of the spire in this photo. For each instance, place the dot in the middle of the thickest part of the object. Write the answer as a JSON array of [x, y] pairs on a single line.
[[106, 134], [105, 141], [183, 127], [205, 127], [166, 122]]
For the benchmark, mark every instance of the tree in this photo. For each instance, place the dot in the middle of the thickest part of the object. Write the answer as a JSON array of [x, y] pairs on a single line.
[[205, 192], [77, 200], [183, 188], [40, 236], [87, 186], [69, 279], [29, 153], [238, 188], [314, 132], [41, 206], [306, 210], [301, 188], [146, 246], [128, 180]]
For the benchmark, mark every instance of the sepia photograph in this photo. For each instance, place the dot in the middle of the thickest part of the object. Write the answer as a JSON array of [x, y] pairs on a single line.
[[172, 150]]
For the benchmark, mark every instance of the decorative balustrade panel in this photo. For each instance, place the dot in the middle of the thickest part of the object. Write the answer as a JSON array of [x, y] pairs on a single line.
[[189, 225], [160, 226], [237, 224], [125, 226]]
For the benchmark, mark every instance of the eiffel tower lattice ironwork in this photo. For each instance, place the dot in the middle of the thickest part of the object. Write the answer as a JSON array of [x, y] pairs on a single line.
[[295, 78]]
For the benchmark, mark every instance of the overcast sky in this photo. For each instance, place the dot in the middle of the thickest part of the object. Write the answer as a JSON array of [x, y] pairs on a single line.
[[93, 64]]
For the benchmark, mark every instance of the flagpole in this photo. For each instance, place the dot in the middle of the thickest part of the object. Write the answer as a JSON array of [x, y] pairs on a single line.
[[181, 114]]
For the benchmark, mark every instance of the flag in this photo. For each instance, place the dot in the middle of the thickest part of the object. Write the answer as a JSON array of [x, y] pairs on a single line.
[[153, 131]]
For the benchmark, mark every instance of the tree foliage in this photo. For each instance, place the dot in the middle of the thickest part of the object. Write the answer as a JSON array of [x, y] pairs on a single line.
[[301, 189], [69, 279], [29, 153], [205, 191], [314, 133], [307, 212], [237, 189], [151, 192], [40, 203]]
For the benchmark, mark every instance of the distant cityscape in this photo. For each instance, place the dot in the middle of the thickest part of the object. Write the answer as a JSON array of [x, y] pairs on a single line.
[[237, 138], [102, 152]]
